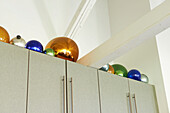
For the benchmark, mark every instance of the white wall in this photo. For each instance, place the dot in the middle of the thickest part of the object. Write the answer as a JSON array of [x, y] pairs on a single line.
[[145, 58], [60, 12], [163, 42], [21, 17], [125, 12], [41, 20], [155, 3], [95, 30]]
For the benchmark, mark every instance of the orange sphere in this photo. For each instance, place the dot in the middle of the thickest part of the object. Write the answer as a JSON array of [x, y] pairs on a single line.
[[64, 48], [111, 69], [4, 36]]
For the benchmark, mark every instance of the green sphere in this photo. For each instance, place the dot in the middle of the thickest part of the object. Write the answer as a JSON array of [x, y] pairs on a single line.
[[49, 51], [120, 70]]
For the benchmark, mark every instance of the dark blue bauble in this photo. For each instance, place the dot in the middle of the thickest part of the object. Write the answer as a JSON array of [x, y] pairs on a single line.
[[34, 45], [134, 74]]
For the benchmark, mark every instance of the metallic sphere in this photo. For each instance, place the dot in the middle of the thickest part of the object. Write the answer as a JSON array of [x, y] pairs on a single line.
[[111, 69], [105, 68], [18, 41], [64, 48], [144, 78], [49, 51], [34, 45], [4, 36], [134, 74], [120, 70]]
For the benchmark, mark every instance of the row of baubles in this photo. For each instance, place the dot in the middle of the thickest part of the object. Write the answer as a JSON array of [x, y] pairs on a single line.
[[61, 47], [67, 49], [120, 70]]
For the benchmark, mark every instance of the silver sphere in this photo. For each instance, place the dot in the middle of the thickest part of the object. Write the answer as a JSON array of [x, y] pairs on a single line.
[[105, 68], [144, 78], [18, 41]]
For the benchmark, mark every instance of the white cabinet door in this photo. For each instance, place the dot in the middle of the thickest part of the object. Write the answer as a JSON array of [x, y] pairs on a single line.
[[46, 86], [114, 93], [143, 97], [13, 78], [83, 94]]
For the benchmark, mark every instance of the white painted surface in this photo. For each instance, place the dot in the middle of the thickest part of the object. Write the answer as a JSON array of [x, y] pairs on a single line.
[[41, 20], [125, 12], [155, 3], [141, 30], [95, 30], [145, 58], [80, 17], [163, 42], [21, 17], [59, 12]]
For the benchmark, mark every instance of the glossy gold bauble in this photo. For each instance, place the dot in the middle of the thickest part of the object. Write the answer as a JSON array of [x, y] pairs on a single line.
[[4, 36], [64, 48], [18, 41], [111, 69]]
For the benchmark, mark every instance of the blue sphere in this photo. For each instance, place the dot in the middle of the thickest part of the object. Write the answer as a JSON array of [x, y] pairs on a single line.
[[34, 45], [134, 74]]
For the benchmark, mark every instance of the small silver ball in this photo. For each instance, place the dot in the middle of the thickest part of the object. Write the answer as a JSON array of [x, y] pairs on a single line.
[[18, 41], [144, 78]]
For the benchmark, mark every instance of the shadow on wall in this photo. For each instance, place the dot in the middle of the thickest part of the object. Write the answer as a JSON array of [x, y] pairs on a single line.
[[45, 18]]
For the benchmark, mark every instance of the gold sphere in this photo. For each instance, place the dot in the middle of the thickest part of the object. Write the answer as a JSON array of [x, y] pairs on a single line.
[[111, 69], [64, 48], [4, 36]]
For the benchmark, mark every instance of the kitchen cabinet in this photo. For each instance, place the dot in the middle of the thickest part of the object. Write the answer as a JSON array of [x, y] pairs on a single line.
[[13, 85], [33, 82], [46, 89], [143, 97], [114, 93], [59, 86], [122, 95], [82, 86]]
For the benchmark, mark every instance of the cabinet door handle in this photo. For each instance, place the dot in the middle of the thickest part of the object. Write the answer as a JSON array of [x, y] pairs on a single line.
[[135, 105], [71, 94], [63, 93], [129, 102]]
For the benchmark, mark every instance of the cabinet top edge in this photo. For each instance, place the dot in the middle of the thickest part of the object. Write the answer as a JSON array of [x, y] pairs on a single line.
[[13, 46]]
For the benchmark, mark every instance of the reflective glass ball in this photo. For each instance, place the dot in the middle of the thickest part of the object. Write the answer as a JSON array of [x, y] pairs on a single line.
[[4, 36], [120, 70], [105, 68], [144, 78], [49, 51], [111, 69], [64, 48], [18, 41], [34, 45], [134, 74]]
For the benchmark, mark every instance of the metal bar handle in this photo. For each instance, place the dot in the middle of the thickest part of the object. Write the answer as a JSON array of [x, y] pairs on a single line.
[[63, 88], [71, 92], [134, 98], [129, 102]]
